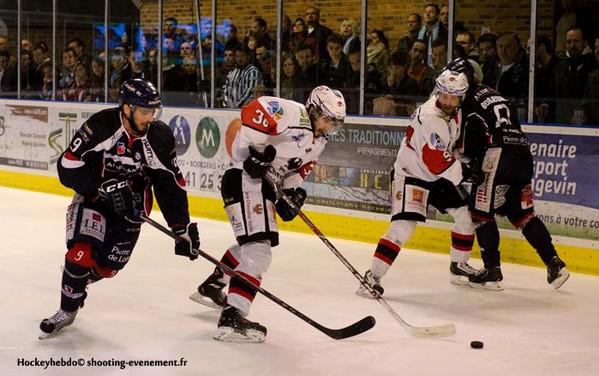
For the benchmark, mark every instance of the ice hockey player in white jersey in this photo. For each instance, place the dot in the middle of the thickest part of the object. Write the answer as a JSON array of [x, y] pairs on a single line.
[[426, 172], [282, 139]]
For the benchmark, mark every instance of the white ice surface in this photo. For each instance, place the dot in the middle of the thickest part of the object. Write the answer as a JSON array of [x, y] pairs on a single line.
[[144, 313]]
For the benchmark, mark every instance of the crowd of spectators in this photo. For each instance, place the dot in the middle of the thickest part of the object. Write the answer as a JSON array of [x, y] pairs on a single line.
[[400, 73]]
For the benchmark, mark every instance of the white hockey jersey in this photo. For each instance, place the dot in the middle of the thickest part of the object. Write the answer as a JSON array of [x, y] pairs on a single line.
[[285, 125], [427, 151]]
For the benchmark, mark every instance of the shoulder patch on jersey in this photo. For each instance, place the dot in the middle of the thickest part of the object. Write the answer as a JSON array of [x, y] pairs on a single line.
[[437, 142], [253, 115], [275, 110]]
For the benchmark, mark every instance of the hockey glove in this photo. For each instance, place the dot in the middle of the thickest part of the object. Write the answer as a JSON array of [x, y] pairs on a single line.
[[257, 164], [117, 195], [190, 244], [472, 172], [286, 212]]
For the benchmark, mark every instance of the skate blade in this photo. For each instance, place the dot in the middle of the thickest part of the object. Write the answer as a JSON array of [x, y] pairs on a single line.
[[201, 299], [458, 280], [45, 335], [227, 334], [559, 281], [491, 286]]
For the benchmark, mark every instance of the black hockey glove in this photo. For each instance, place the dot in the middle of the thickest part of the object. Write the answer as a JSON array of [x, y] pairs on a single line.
[[472, 172], [117, 195], [298, 196], [190, 244], [257, 164]]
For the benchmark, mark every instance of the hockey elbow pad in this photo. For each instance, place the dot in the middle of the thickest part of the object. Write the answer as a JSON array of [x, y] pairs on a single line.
[[284, 210]]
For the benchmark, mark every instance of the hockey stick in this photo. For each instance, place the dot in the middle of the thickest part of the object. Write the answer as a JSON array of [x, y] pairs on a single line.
[[416, 331], [349, 331]]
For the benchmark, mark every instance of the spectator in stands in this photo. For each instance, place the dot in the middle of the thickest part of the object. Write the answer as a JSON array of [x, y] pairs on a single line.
[[318, 31], [510, 74], [350, 32], [293, 82], [118, 62], [439, 56], [47, 82], [591, 97], [222, 72], [299, 37], [40, 55], [79, 91], [414, 24], [259, 30], [419, 71], [487, 48], [444, 15], [79, 47], [187, 51], [240, 83], [432, 30], [285, 33], [571, 15], [351, 87], [173, 33], [265, 62], [96, 82], [570, 78], [30, 82], [230, 37], [400, 89], [334, 70], [8, 76], [467, 40], [3, 43], [545, 61], [307, 63], [67, 73], [377, 52]]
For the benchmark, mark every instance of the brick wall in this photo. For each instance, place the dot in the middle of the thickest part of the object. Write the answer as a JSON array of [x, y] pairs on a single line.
[[498, 16]]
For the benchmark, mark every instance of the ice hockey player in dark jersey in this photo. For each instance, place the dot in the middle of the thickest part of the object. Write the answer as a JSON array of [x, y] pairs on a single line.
[[501, 169], [279, 140], [113, 163]]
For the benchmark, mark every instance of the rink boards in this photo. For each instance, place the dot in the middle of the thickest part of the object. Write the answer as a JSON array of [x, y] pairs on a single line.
[[349, 188]]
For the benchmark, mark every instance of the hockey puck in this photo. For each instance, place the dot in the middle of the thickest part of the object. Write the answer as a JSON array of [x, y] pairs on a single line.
[[476, 344]]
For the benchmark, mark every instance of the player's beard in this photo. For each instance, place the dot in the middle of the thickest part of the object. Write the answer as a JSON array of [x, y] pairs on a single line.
[[136, 130]]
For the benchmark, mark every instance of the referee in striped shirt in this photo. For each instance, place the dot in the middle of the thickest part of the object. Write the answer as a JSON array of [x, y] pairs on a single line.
[[240, 83]]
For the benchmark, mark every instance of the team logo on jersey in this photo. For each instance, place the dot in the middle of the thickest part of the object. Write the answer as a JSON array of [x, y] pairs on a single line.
[[436, 141], [275, 110], [208, 137], [120, 148], [180, 128], [258, 209]]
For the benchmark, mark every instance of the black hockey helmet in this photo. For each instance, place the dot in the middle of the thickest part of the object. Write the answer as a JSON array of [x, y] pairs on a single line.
[[139, 92], [462, 65]]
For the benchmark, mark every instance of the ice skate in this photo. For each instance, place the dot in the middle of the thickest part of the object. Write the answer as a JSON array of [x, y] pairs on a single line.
[[487, 279], [460, 272], [373, 281], [210, 293], [53, 325], [557, 274], [233, 327]]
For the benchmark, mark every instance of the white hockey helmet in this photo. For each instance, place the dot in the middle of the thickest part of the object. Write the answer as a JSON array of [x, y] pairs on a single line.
[[452, 83], [323, 101]]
